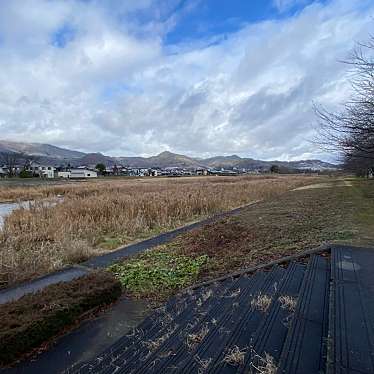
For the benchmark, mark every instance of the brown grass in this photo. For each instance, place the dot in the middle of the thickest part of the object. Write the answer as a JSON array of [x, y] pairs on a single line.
[[192, 340], [235, 356], [203, 364], [104, 214], [288, 302], [261, 302]]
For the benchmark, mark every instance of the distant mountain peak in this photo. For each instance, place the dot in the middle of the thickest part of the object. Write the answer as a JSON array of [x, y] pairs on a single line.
[[50, 153], [166, 153], [39, 150]]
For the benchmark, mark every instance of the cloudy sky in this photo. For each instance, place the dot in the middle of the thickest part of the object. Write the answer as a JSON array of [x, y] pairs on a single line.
[[198, 77]]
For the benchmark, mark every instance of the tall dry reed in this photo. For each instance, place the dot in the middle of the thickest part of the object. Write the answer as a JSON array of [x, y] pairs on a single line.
[[42, 239]]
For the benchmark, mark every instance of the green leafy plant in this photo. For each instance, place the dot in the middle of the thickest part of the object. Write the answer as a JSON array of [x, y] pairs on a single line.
[[158, 272]]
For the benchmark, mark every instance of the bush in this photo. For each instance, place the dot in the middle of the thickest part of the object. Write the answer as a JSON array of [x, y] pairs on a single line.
[[25, 174]]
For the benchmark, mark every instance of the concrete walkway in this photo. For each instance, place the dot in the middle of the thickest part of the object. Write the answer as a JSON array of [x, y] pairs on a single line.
[[65, 275]]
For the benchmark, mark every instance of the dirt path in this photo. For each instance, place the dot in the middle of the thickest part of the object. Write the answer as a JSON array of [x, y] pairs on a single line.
[[338, 183]]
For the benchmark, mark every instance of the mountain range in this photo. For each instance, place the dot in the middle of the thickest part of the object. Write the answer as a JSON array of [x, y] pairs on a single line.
[[51, 154]]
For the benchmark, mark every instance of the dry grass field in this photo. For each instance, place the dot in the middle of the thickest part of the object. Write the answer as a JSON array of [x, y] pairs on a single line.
[[98, 216]]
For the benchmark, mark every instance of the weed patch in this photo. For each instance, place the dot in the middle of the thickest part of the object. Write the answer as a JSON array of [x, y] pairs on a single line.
[[261, 302], [157, 272], [288, 302]]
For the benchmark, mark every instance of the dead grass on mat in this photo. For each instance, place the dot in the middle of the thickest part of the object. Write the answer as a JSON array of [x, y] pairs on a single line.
[[235, 356], [261, 302], [264, 364], [99, 215]]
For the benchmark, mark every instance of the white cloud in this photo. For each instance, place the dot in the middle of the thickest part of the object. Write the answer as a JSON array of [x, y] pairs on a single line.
[[117, 89]]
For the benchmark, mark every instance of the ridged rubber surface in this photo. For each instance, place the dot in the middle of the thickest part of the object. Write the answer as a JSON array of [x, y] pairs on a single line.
[[271, 334], [260, 328], [177, 350], [196, 332], [305, 348], [352, 300], [230, 325], [155, 326]]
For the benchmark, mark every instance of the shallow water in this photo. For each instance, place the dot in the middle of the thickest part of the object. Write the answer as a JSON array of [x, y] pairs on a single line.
[[7, 208]]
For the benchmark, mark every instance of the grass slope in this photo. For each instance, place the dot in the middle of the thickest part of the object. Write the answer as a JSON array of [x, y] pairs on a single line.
[[285, 225]]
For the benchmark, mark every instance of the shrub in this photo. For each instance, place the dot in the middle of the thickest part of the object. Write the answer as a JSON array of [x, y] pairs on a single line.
[[25, 174]]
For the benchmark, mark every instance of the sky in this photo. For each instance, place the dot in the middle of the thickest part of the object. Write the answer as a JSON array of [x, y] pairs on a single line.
[[196, 77]]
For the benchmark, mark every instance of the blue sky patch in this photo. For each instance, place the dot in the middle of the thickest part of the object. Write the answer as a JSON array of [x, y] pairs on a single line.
[[63, 36], [212, 17]]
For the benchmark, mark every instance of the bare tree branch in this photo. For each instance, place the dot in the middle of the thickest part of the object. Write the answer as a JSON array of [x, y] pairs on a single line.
[[350, 132]]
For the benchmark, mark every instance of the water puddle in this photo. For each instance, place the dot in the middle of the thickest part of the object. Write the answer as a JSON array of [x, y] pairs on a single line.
[[7, 208]]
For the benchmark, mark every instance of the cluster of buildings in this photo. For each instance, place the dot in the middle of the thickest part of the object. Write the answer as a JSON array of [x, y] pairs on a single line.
[[171, 171], [48, 171]]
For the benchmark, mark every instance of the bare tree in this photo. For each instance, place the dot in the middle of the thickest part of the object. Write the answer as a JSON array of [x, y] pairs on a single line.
[[351, 131], [12, 160], [9, 161]]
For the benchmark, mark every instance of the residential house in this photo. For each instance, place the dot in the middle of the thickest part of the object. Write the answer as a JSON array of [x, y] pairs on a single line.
[[155, 172], [82, 173], [201, 171], [42, 170], [64, 174]]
